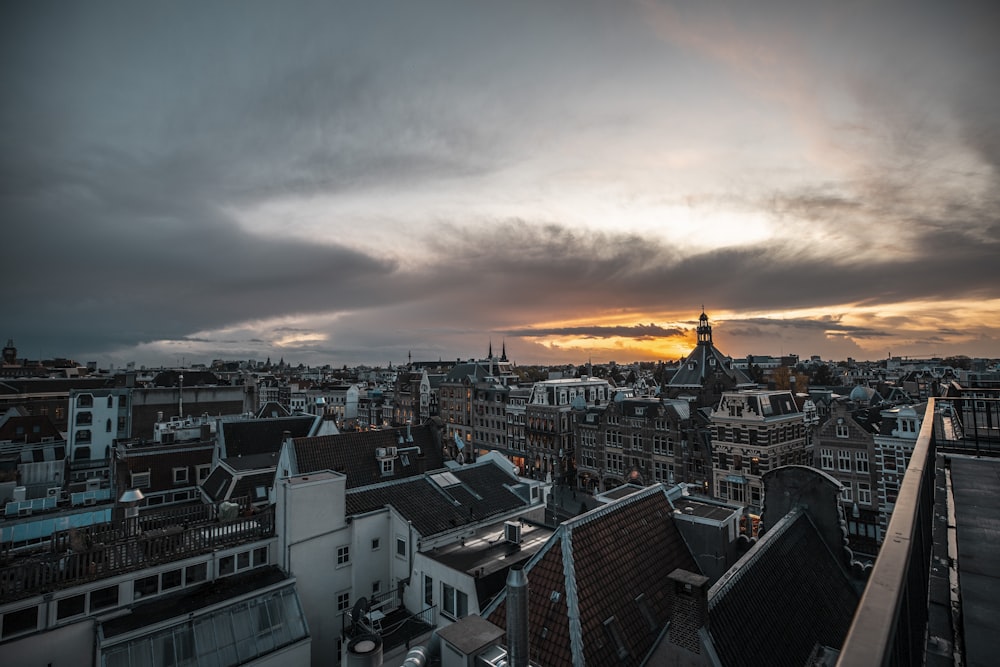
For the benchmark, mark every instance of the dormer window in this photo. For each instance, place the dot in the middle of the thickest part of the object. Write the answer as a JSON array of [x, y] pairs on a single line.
[[387, 467], [842, 430]]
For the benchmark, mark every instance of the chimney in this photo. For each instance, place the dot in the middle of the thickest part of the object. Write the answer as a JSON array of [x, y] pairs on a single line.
[[517, 617], [688, 599]]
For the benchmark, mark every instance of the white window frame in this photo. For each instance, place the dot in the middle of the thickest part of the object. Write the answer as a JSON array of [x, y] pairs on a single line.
[[180, 475], [861, 462], [401, 544], [847, 493], [202, 472], [843, 460], [450, 597], [864, 493], [343, 555]]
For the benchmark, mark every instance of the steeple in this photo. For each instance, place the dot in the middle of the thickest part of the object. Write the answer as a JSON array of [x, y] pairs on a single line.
[[704, 329], [489, 355], [503, 350]]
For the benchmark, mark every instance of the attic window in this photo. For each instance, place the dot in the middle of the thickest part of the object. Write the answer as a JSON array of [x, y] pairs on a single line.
[[387, 466], [614, 632], [647, 614]]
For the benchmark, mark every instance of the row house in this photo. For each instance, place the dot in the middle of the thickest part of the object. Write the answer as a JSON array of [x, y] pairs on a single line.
[[898, 431], [753, 432], [632, 440], [845, 449], [549, 423], [516, 409]]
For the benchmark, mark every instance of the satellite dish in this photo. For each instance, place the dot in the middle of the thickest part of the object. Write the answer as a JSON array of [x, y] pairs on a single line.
[[357, 613]]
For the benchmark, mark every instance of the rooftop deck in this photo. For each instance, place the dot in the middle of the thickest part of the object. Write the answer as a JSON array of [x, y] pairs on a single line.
[[932, 597], [80, 555]]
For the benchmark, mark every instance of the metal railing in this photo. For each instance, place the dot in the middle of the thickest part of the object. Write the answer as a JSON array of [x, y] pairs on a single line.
[[125, 547], [890, 625]]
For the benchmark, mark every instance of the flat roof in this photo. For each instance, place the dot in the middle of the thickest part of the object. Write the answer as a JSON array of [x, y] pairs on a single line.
[[690, 506], [977, 517], [489, 552]]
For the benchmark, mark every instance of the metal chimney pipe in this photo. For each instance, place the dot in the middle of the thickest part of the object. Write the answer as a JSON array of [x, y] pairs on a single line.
[[517, 617]]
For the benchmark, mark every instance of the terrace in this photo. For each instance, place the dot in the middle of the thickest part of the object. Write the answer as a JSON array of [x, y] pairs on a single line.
[[78, 555], [932, 594]]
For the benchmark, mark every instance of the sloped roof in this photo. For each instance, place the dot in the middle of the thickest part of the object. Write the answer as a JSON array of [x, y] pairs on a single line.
[[592, 569], [787, 594], [354, 454], [262, 436], [482, 491], [704, 361]]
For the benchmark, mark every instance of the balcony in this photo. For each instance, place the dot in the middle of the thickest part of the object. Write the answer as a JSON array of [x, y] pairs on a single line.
[[932, 594], [86, 554]]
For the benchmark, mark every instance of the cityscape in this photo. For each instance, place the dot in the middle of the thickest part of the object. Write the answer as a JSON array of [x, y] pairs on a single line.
[[277, 513], [552, 333]]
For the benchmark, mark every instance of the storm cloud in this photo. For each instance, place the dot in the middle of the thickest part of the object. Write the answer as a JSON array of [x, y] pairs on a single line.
[[345, 183]]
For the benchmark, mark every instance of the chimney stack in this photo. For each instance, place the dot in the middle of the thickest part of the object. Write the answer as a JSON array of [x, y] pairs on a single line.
[[517, 617], [688, 598]]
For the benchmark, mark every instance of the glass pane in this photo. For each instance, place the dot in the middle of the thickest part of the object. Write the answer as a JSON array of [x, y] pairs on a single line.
[[293, 616], [139, 653], [278, 625], [117, 657]]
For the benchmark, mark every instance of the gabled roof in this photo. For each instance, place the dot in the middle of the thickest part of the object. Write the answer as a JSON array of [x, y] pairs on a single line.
[[354, 453], [442, 500], [785, 596], [586, 580], [262, 436], [702, 363]]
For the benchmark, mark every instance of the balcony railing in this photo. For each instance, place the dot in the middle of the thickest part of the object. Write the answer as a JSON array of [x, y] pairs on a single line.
[[125, 546], [890, 625]]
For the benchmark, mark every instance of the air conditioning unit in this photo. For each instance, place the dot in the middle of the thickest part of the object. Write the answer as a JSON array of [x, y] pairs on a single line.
[[380, 452], [390, 451], [512, 532], [53, 491]]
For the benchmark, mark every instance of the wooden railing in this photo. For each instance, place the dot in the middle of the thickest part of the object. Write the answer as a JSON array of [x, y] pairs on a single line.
[[126, 546]]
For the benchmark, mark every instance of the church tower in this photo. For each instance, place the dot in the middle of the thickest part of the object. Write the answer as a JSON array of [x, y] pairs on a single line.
[[704, 329]]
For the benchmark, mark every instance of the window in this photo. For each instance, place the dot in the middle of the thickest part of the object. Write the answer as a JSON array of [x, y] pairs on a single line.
[[376, 587], [203, 471], [826, 459], [85, 401], [454, 603], [73, 606], [754, 465], [171, 579], [192, 574], [343, 600], [227, 565], [376, 544], [723, 463], [428, 590], [22, 620], [343, 555], [842, 430], [243, 560], [846, 494], [260, 556], [861, 460], [387, 466], [83, 435], [180, 475], [737, 462], [103, 598], [400, 547], [843, 460], [146, 586], [864, 493]]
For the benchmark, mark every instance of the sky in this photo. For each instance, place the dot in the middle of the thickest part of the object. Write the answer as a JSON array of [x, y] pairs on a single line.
[[354, 182]]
